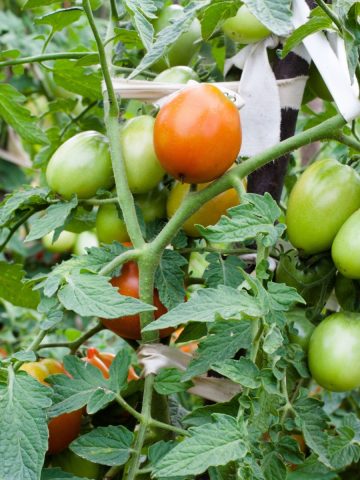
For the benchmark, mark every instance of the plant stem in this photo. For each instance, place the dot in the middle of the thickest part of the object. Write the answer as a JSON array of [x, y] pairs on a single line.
[[119, 260], [34, 345], [112, 472], [330, 13], [100, 201], [346, 140], [44, 57], [18, 224]]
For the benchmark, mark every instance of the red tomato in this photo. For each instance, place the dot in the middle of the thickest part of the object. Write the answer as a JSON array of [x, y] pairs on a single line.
[[128, 284], [197, 135]]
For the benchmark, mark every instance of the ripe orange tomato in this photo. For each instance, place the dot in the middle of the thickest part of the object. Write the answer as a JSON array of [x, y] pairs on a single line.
[[103, 360], [208, 214], [128, 284], [197, 135]]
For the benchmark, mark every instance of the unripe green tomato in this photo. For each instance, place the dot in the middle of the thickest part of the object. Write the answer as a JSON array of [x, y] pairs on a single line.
[[244, 27], [153, 204], [185, 47], [63, 244], [143, 168], [81, 166], [347, 293], [85, 240], [323, 198], [345, 249], [317, 84], [78, 466], [179, 74], [299, 326], [109, 227], [312, 279], [334, 352]]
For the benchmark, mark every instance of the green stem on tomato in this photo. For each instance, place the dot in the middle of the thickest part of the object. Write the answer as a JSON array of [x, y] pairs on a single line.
[[18, 224], [346, 140], [330, 13], [100, 201], [44, 57], [119, 260], [33, 347]]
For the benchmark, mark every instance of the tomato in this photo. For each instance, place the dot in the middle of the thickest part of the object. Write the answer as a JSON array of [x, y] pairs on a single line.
[[208, 214], [128, 284], [334, 352], [191, 132], [153, 204], [81, 166], [345, 249], [69, 462], [325, 195], [3, 353], [66, 427], [63, 244], [317, 84], [179, 74], [347, 292], [109, 226], [185, 47], [143, 168], [299, 327], [85, 240], [313, 279], [244, 27], [103, 361]]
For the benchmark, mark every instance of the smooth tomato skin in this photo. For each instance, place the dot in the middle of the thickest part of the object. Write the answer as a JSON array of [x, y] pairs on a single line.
[[300, 328], [109, 227], [128, 284], [334, 352], [63, 430], [81, 166], [83, 241], [345, 249], [311, 279], [191, 132], [143, 168], [36, 370], [63, 244], [78, 466], [208, 214], [185, 47], [347, 293], [323, 198], [153, 204], [178, 74], [244, 27]]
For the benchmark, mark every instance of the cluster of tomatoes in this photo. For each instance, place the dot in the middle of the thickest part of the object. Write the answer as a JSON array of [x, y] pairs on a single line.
[[324, 214]]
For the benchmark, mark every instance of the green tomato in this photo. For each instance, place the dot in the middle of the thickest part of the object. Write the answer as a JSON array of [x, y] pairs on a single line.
[[81, 166], [109, 226], [63, 244], [317, 84], [85, 240], [300, 328], [143, 168], [179, 74], [185, 47], [347, 292], [334, 352], [153, 204], [345, 249], [78, 466], [323, 198], [244, 27], [314, 280]]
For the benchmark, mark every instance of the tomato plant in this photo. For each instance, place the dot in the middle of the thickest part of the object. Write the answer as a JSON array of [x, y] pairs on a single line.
[[153, 204], [208, 214], [103, 360], [85, 176], [244, 27], [345, 249], [69, 462], [347, 293], [326, 194], [179, 74], [109, 225], [334, 350], [128, 284], [300, 328], [190, 132], [64, 243]]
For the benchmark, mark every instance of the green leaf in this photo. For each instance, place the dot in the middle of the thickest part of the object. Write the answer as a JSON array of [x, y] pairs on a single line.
[[60, 18], [19, 117], [129, 38], [23, 427], [222, 271], [315, 24], [273, 340], [24, 356], [225, 339], [58, 474], [214, 15], [81, 81], [13, 289], [140, 11], [22, 201], [205, 304], [202, 415], [253, 218], [273, 468], [276, 15], [242, 371], [169, 279], [93, 295], [168, 381], [212, 444], [39, 3], [53, 217], [105, 445]]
